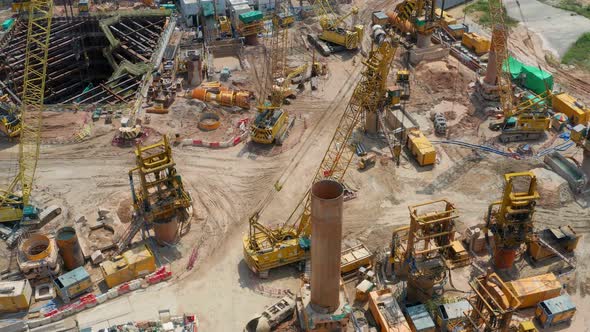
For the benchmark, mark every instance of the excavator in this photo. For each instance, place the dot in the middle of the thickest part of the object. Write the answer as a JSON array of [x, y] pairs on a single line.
[[527, 120], [334, 36], [266, 248], [15, 203]]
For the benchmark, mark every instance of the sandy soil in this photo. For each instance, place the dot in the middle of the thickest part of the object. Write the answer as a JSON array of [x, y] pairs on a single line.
[[228, 185]]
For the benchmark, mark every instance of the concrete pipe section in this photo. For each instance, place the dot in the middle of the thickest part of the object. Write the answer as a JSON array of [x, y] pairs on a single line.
[[326, 222], [209, 121], [37, 247]]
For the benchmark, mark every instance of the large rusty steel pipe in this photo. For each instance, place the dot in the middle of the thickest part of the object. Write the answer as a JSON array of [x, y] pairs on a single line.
[[326, 240]]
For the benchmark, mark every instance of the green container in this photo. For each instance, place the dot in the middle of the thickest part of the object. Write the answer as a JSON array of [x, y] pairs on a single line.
[[250, 17], [7, 24]]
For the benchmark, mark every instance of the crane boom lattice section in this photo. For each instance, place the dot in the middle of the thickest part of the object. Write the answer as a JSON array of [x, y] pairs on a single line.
[[368, 96], [500, 47]]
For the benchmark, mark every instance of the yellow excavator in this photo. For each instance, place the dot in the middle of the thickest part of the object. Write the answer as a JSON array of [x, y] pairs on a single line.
[[267, 248], [335, 37], [15, 200], [522, 121]]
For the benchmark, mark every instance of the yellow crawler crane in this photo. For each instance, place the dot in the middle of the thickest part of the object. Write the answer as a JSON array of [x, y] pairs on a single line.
[[267, 248], [15, 206], [521, 121], [333, 31], [272, 122]]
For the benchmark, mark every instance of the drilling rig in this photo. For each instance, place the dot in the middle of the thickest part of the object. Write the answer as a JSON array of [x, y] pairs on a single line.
[[511, 219]]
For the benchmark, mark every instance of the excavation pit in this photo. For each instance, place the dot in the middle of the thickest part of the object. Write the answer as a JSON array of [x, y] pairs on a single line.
[[91, 60]]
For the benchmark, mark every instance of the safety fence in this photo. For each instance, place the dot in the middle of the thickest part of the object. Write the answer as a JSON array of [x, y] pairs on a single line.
[[91, 300]]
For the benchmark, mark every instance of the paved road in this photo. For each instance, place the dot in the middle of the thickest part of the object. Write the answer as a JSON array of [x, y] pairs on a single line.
[[557, 27]]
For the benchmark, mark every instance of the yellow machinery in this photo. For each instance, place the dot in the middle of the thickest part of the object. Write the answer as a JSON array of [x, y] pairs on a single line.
[[133, 263], [83, 7], [224, 25], [527, 326], [336, 36], [403, 80], [267, 248], [493, 304], [511, 222], [523, 121], [272, 122], [161, 191], [14, 206], [478, 44], [160, 197], [421, 252], [20, 5], [421, 15]]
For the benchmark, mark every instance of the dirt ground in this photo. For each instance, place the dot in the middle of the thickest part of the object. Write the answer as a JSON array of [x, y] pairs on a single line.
[[228, 185]]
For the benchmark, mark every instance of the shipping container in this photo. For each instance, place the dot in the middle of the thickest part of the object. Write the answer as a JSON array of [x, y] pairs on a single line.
[[533, 290], [419, 319], [555, 311], [421, 148], [73, 283], [576, 111], [379, 18], [450, 313], [563, 238], [15, 296], [386, 312], [133, 263], [353, 258]]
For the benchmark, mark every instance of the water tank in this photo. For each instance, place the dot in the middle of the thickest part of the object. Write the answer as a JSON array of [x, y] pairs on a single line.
[[69, 248]]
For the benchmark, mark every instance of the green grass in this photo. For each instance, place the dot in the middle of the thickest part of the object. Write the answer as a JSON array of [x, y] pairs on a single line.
[[572, 6], [579, 53], [481, 7]]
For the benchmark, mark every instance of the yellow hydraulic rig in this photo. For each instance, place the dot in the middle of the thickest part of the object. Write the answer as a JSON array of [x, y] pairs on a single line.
[[272, 122], [493, 304], [511, 219], [423, 251], [521, 121], [333, 31], [267, 248], [420, 14], [15, 206], [161, 194]]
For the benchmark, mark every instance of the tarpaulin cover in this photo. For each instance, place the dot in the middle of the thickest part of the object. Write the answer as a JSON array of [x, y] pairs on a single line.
[[536, 80]]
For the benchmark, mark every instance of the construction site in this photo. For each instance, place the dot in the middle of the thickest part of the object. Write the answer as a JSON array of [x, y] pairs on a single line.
[[275, 165]]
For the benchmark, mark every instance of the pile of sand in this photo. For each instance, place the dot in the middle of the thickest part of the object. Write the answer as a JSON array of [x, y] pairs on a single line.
[[553, 189]]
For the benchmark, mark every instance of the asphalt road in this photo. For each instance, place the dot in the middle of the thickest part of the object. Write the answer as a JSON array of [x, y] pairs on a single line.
[[558, 28]]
